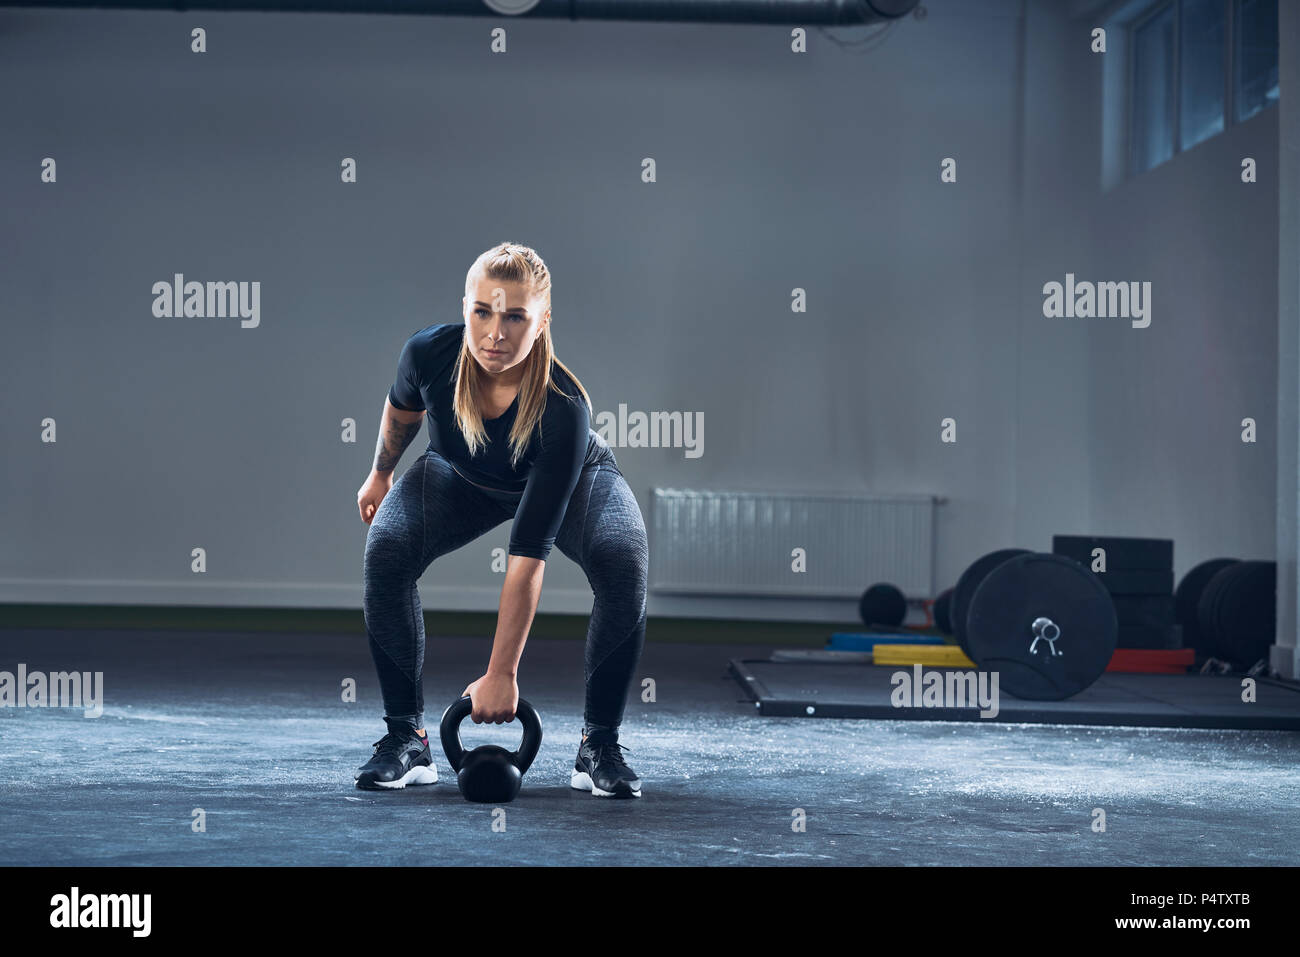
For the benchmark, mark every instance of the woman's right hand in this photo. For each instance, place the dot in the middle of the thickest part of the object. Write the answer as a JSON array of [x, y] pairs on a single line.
[[372, 493]]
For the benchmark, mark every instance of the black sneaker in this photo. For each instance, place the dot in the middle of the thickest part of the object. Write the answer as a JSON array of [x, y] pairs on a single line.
[[401, 757], [600, 769]]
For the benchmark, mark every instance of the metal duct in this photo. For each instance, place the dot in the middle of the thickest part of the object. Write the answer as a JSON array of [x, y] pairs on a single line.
[[796, 12]]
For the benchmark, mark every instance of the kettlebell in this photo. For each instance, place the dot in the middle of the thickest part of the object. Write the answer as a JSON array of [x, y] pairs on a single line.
[[489, 774]]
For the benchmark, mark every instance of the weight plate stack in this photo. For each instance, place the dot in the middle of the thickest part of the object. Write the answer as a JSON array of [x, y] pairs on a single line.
[[968, 582], [1122, 554], [1139, 574], [1245, 612], [1143, 611], [1044, 623], [1188, 595], [1144, 638], [1137, 581]]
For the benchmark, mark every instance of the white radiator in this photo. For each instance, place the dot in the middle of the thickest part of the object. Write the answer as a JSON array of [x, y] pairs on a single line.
[[742, 543]]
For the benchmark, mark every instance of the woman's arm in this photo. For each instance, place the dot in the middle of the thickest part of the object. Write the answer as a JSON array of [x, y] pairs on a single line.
[[541, 511], [496, 694], [397, 429]]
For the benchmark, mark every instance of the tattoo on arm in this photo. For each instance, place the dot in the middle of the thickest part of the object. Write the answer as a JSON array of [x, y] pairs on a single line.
[[393, 440]]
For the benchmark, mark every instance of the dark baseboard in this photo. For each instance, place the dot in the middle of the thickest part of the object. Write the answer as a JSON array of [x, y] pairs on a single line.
[[350, 621]]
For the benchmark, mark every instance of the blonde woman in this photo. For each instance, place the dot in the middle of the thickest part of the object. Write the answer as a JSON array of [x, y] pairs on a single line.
[[509, 438]]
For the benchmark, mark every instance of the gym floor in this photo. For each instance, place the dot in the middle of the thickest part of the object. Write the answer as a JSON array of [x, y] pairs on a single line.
[[251, 728]]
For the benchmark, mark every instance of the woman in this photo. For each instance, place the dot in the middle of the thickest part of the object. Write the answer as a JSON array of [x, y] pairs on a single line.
[[509, 437]]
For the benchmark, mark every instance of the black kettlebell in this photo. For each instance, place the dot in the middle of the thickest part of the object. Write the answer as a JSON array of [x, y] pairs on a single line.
[[489, 774]]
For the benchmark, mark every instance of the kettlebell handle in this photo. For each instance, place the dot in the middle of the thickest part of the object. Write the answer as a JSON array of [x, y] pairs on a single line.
[[460, 709]]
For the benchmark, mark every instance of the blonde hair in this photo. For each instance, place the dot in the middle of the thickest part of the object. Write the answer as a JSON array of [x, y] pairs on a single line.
[[511, 262]]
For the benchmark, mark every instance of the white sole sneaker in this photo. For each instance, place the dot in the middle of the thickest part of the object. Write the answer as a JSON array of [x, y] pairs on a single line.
[[581, 781], [420, 774]]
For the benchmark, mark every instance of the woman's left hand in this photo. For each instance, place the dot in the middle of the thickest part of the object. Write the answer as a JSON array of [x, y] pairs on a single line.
[[494, 699]]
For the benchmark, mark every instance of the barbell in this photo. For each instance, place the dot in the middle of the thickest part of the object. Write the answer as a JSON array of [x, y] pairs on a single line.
[[1043, 622]]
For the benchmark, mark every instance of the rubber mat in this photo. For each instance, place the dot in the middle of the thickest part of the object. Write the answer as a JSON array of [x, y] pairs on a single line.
[[844, 689]]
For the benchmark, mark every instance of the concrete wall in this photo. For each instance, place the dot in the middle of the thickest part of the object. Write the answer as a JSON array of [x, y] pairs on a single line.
[[1166, 405], [775, 171]]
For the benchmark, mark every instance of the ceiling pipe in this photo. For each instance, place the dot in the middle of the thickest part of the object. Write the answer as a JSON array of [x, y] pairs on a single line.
[[797, 12]]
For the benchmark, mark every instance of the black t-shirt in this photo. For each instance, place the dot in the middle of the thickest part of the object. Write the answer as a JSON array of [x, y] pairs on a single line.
[[549, 468]]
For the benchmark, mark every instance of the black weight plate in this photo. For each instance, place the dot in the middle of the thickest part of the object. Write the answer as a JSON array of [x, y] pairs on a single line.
[[1143, 636], [1208, 626], [1188, 594], [943, 611], [883, 604], [1000, 635], [1148, 611], [968, 582], [1138, 581], [1122, 554], [1247, 612]]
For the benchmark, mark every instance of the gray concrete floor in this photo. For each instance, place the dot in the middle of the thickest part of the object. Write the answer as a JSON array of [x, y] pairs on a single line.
[[251, 728]]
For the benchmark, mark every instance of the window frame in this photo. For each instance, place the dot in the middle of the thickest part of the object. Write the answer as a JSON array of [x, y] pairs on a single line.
[[1230, 10]]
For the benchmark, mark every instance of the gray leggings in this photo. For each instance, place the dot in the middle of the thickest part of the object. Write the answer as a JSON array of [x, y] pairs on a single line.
[[431, 510]]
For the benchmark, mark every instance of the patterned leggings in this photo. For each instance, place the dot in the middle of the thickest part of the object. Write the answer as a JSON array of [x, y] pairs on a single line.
[[431, 510]]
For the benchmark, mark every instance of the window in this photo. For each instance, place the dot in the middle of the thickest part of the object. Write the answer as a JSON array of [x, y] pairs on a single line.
[[1255, 56], [1153, 91], [1183, 54], [1202, 53]]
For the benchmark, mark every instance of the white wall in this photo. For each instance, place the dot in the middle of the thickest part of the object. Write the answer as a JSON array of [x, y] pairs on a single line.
[[1166, 403]]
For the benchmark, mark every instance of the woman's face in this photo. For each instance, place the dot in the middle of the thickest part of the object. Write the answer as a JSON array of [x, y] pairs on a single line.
[[502, 323]]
